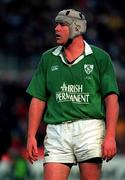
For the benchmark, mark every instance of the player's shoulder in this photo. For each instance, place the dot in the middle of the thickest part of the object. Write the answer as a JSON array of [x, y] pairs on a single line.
[[47, 56], [49, 52], [99, 51]]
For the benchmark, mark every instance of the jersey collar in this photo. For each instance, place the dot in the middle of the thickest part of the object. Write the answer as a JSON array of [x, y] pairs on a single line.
[[88, 50], [58, 52]]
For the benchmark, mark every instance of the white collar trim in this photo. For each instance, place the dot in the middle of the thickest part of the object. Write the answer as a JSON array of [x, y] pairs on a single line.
[[88, 50]]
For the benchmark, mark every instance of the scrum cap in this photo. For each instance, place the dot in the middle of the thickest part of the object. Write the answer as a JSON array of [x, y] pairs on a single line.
[[74, 19]]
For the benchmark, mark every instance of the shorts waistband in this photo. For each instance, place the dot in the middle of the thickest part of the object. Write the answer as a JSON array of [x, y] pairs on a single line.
[[68, 122], [72, 121]]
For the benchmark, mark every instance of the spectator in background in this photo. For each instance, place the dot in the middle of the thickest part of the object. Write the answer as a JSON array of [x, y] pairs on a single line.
[[5, 137]]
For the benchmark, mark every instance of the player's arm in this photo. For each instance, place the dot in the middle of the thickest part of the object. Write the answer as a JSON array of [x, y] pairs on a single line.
[[112, 110], [36, 111]]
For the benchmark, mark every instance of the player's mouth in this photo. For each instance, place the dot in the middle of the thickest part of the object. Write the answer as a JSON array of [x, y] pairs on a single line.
[[58, 36]]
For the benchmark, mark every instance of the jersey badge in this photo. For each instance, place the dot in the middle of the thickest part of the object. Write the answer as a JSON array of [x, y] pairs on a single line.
[[88, 68]]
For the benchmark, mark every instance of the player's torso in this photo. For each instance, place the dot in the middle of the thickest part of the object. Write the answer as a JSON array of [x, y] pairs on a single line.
[[73, 82]]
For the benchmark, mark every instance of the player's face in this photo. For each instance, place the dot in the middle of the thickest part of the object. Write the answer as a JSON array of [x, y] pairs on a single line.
[[62, 33]]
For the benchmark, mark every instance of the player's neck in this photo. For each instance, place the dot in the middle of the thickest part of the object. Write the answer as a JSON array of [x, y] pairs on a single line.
[[75, 49]]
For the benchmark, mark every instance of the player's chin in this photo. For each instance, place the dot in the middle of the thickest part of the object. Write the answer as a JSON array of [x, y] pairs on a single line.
[[59, 42]]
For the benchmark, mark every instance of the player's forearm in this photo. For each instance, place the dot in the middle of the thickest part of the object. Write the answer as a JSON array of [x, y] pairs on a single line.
[[36, 110], [112, 111]]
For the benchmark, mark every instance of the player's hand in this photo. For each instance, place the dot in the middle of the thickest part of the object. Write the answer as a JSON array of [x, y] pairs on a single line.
[[109, 148], [32, 151]]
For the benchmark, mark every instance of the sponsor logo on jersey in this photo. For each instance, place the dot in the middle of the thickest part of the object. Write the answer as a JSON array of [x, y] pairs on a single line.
[[72, 93], [88, 68], [54, 68]]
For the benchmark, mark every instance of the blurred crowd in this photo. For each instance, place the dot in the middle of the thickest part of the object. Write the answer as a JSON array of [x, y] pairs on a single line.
[[27, 30], [27, 26]]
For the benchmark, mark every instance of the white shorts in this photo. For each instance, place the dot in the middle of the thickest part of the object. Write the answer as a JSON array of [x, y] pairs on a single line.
[[74, 142]]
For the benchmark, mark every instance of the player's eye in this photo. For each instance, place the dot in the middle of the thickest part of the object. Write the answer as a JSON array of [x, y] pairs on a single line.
[[60, 23]]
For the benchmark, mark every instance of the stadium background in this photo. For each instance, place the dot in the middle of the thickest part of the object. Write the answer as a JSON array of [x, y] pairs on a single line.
[[26, 31]]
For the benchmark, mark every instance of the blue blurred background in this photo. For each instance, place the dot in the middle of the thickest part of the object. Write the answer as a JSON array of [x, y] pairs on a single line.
[[26, 31]]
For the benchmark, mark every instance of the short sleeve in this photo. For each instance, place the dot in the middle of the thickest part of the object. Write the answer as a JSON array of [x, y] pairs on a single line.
[[108, 77], [37, 85]]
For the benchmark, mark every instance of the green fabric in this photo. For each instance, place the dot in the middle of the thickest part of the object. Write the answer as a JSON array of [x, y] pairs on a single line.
[[73, 91]]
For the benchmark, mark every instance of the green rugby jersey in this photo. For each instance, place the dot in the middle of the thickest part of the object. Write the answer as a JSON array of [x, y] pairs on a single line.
[[73, 91]]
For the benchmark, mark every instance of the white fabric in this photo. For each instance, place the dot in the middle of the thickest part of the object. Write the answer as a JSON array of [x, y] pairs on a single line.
[[74, 142]]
